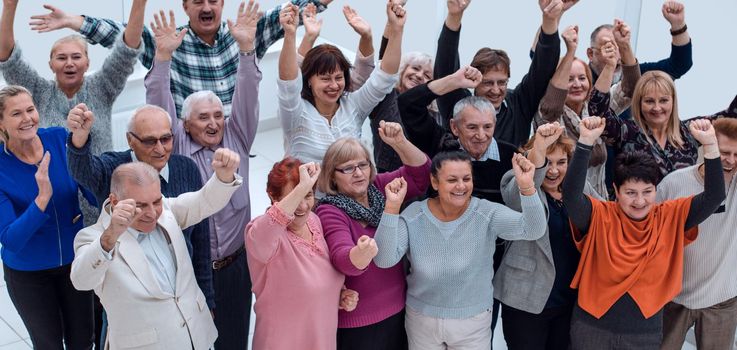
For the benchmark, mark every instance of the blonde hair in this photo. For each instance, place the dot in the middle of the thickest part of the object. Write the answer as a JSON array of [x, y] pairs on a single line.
[[342, 150], [6, 93], [74, 38], [657, 81]]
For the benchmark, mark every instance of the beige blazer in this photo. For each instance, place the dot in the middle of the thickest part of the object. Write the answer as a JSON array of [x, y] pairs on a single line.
[[140, 315]]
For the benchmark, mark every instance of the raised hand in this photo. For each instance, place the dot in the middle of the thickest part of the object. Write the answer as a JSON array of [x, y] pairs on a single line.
[[289, 18], [357, 22], [167, 38], [457, 7], [79, 122], [308, 174], [622, 33], [675, 13], [124, 213], [391, 133], [703, 131], [348, 299], [244, 28], [45, 191], [609, 52], [362, 253], [591, 129], [567, 4], [225, 163], [54, 20], [467, 77], [310, 22], [552, 9], [395, 191], [524, 172], [570, 37], [546, 135], [396, 15]]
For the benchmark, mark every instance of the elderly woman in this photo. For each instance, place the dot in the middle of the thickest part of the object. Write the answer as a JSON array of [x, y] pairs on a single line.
[[632, 250], [39, 218], [325, 112], [69, 63], [449, 241], [533, 280], [350, 213], [297, 289], [656, 127], [567, 98]]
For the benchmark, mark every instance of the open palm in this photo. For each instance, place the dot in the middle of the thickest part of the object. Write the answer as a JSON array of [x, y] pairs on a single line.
[[244, 28], [165, 32]]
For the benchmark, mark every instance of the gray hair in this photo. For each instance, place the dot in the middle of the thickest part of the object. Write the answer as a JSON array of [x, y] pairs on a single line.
[[478, 103], [596, 31], [142, 109], [74, 38], [412, 58], [135, 173], [204, 95]]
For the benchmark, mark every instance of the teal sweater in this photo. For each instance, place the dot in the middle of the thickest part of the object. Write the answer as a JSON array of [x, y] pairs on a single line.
[[452, 261]]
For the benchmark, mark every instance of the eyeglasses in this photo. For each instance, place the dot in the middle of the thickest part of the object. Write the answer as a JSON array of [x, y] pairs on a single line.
[[352, 168], [500, 83], [152, 141]]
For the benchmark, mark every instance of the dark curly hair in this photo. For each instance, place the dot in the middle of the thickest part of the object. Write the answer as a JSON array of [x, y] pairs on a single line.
[[636, 166]]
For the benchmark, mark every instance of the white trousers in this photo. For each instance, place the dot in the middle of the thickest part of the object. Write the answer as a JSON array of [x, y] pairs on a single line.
[[430, 333]]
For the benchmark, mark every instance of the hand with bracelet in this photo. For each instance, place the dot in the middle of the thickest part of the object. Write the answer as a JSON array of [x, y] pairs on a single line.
[[524, 172]]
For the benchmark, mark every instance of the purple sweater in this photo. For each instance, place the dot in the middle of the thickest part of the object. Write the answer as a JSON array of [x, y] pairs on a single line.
[[382, 291]]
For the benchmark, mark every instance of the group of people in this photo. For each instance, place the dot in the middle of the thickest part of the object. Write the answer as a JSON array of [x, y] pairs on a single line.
[[475, 198]]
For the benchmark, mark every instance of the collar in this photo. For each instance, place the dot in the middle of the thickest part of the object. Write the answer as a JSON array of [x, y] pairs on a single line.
[[218, 35], [164, 173], [492, 152], [501, 106]]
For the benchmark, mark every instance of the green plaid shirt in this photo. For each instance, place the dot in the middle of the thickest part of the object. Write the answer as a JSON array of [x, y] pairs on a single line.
[[196, 65]]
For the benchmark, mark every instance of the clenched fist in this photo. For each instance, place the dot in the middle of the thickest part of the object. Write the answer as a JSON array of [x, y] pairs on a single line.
[[225, 163]]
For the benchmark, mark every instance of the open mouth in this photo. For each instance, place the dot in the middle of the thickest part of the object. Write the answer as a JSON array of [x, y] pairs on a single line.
[[27, 127], [459, 194], [728, 169], [332, 94], [211, 132], [299, 214], [552, 178], [207, 18]]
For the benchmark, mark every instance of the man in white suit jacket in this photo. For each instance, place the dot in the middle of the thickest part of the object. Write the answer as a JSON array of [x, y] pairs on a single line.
[[136, 260]]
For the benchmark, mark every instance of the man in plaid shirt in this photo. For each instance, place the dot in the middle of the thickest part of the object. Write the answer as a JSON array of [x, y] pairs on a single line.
[[208, 56]]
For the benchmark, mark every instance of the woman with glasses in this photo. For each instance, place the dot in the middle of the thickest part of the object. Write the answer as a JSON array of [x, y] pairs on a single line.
[[350, 213], [39, 218]]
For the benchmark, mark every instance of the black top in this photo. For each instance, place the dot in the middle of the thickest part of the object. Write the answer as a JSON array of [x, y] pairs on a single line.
[[565, 255]]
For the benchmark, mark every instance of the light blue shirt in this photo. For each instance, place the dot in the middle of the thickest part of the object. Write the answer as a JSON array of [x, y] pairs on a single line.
[[492, 152], [160, 256]]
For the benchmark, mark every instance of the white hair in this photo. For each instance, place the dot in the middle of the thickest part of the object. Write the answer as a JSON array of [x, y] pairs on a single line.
[[478, 103], [204, 95], [135, 173], [142, 109], [74, 38], [412, 58]]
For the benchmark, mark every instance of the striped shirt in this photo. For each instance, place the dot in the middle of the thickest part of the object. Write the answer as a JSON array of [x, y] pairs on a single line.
[[708, 262], [197, 65]]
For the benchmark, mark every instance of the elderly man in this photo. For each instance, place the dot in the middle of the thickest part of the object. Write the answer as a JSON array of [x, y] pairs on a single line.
[[203, 131], [208, 58], [150, 139], [708, 299], [136, 260], [515, 108]]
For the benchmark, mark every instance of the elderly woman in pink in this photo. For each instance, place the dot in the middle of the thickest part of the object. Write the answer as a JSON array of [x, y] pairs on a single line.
[[297, 289]]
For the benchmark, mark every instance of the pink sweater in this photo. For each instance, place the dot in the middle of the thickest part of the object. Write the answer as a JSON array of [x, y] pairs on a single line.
[[297, 289], [381, 292]]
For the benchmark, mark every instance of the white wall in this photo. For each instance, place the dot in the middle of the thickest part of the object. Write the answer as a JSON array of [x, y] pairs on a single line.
[[510, 25]]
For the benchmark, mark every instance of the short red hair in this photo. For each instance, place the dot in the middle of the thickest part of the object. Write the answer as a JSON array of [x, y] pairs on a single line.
[[282, 174]]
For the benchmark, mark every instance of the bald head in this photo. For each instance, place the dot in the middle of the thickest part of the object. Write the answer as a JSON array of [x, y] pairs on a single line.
[[126, 175]]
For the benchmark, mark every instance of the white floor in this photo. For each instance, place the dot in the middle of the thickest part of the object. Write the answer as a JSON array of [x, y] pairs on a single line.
[[268, 148]]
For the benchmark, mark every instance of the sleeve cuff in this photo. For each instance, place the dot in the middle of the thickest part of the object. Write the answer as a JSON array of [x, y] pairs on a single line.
[[127, 50], [107, 255], [291, 87], [87, 25], [278, 215], [12, 59], [548, 39], [78, 151]]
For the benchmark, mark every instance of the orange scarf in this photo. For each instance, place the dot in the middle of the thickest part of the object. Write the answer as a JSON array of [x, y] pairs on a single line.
[[642, 258]]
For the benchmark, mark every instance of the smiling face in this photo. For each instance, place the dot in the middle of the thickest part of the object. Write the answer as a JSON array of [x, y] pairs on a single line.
[[303, 209], [415, 74], [728, 151], [206, 123], [557, 168], [149, 199], [474, 129], [204, 16], [493, 86], [579, 84], [69, 62], [327, 88], [152, 126], [657, 107], [454, 183], [635, 198], [19, 118]]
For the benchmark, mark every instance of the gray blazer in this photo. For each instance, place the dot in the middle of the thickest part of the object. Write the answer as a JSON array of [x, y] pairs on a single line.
[[525, 278]]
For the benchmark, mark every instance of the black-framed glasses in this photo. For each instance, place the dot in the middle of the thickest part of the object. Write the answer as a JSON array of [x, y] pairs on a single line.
[[352, 168], [152, 141]]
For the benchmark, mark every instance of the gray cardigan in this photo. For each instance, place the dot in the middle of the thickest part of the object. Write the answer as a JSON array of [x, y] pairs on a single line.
[[525, 278], [99, 90]]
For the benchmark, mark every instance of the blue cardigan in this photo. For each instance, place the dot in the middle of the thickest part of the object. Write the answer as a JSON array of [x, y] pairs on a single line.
[[32, 239]]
